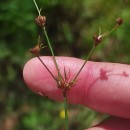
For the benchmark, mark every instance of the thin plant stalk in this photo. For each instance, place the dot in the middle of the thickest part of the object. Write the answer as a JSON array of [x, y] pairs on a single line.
[[49, 44], [46, 67], [113, 29], [93, 48], [37, 7], [66, 111], [108, 32]]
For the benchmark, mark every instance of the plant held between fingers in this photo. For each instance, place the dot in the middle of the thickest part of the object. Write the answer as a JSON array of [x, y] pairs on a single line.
[[64, 83]]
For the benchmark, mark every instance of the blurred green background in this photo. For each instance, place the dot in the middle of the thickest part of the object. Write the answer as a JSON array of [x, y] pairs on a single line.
[[70, 25]]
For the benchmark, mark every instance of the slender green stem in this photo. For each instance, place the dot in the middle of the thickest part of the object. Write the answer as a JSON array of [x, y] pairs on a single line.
[[113, 29], [46, 67], [84, 63], [49, 44], [66, 113], [108, 32], [36, 6]]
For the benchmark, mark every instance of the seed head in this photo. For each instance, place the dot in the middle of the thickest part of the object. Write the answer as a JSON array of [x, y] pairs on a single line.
[[41, 20], [36, 50], [97, 39], [119, 21], [64, 82]]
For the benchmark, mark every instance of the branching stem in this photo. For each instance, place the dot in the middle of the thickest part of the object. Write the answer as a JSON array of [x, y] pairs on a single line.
[[93, 48]]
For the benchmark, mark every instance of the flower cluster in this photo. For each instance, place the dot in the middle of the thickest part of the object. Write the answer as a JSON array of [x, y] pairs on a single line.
[[98, 38]]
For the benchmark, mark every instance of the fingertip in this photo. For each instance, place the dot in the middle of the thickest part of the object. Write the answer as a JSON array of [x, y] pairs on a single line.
[[27, 71], [39, 80]]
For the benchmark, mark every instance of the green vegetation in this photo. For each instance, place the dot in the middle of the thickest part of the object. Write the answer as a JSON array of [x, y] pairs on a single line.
[[70, 26]]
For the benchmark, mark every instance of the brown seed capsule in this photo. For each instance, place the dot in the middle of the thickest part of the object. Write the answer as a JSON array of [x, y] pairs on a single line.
[[41, 20], [119, 21], [97, 39], [36, 50]]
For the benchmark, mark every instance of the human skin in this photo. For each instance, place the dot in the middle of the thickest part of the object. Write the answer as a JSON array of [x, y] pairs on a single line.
[[104, 87]]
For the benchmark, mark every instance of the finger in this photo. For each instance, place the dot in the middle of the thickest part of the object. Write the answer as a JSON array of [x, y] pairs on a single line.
[[104, 87], [113, 123]]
